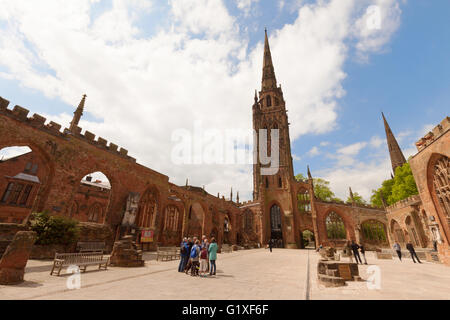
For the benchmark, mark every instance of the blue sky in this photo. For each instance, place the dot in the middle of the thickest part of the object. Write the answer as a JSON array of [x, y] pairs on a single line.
[[152, 67]]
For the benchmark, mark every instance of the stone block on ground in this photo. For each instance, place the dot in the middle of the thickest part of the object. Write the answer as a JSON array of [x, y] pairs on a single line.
[[15, 258]]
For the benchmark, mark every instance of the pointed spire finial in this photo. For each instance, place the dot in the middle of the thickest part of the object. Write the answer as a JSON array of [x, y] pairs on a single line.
[[351, 194], [187, 181], [231, 194], [269, 80], [237, 197], [309, 173], [78, 113], [396, 154]]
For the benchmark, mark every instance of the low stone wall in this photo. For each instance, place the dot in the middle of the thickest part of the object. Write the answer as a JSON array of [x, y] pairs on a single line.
[[96, 232], [40, 252], [9, 230]]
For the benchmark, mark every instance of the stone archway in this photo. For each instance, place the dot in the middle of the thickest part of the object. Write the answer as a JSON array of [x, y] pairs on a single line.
[[195, 218], [397, 233]]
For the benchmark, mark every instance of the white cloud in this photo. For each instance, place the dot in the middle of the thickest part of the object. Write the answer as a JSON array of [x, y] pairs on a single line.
[[314, 151], [196, 66], [246, 5], [426, 128], [376, 142], [361, 177], [372, 38], [353, 149]]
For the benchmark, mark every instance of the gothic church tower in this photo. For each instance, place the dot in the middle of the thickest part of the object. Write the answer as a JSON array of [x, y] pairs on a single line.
[[272, 191]]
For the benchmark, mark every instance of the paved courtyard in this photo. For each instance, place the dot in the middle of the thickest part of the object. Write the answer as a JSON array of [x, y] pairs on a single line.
[[248, 274]]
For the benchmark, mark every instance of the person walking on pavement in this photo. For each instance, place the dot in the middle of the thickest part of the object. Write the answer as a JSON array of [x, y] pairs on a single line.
[[270, 244], [355, 248], [363, 252], [398, 249], [413, 253]]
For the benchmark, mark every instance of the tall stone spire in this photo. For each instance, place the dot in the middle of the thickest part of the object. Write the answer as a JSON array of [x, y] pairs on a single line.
[[351, 194], [397, 157], [77, 114], [268, 79], [309, 173]]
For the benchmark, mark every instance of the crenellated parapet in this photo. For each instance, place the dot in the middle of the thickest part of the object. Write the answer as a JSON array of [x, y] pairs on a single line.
[[38, 122], [434, 134], [410, 201]]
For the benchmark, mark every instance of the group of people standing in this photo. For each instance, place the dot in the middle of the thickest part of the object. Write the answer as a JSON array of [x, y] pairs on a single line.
[[353, 247], [198, 256]]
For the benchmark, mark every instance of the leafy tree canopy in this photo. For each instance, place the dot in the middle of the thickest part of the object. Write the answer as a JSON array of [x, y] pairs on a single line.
[[357, 198], [401, 187], [321, 189]]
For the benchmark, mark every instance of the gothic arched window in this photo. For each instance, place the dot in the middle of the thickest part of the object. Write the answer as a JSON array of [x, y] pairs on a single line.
[[374, 231], [304, 201], [441, 181], [269, 101], [171, 218], [95, 212], [147, 209], [248, 221], [275, 218], [335, 226]]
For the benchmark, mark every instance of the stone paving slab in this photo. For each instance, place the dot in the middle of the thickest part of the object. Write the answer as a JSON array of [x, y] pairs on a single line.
[[248, 274]]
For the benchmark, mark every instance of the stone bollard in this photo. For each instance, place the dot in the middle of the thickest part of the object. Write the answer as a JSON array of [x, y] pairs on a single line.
[[15, 258]]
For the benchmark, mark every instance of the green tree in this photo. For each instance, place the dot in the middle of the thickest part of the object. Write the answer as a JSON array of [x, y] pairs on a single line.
[[357, 197], [321, 189], [401, 187], [54, 229], [404, 184]]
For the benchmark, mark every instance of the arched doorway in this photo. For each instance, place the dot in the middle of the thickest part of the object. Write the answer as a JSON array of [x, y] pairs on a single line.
[[412, 232], [276, 232], [226, 230], [195, 220], [397, 233], [307, 239]]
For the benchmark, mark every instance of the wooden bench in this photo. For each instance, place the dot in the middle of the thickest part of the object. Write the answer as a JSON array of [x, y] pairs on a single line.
[[168, 253], [85, 246], [226, 248], [82, 260]]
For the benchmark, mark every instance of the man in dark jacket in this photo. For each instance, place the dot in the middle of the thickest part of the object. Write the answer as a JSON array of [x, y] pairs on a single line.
[[413, 253], [363, 252], [184, 255], [270, 244], [355, 248]]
